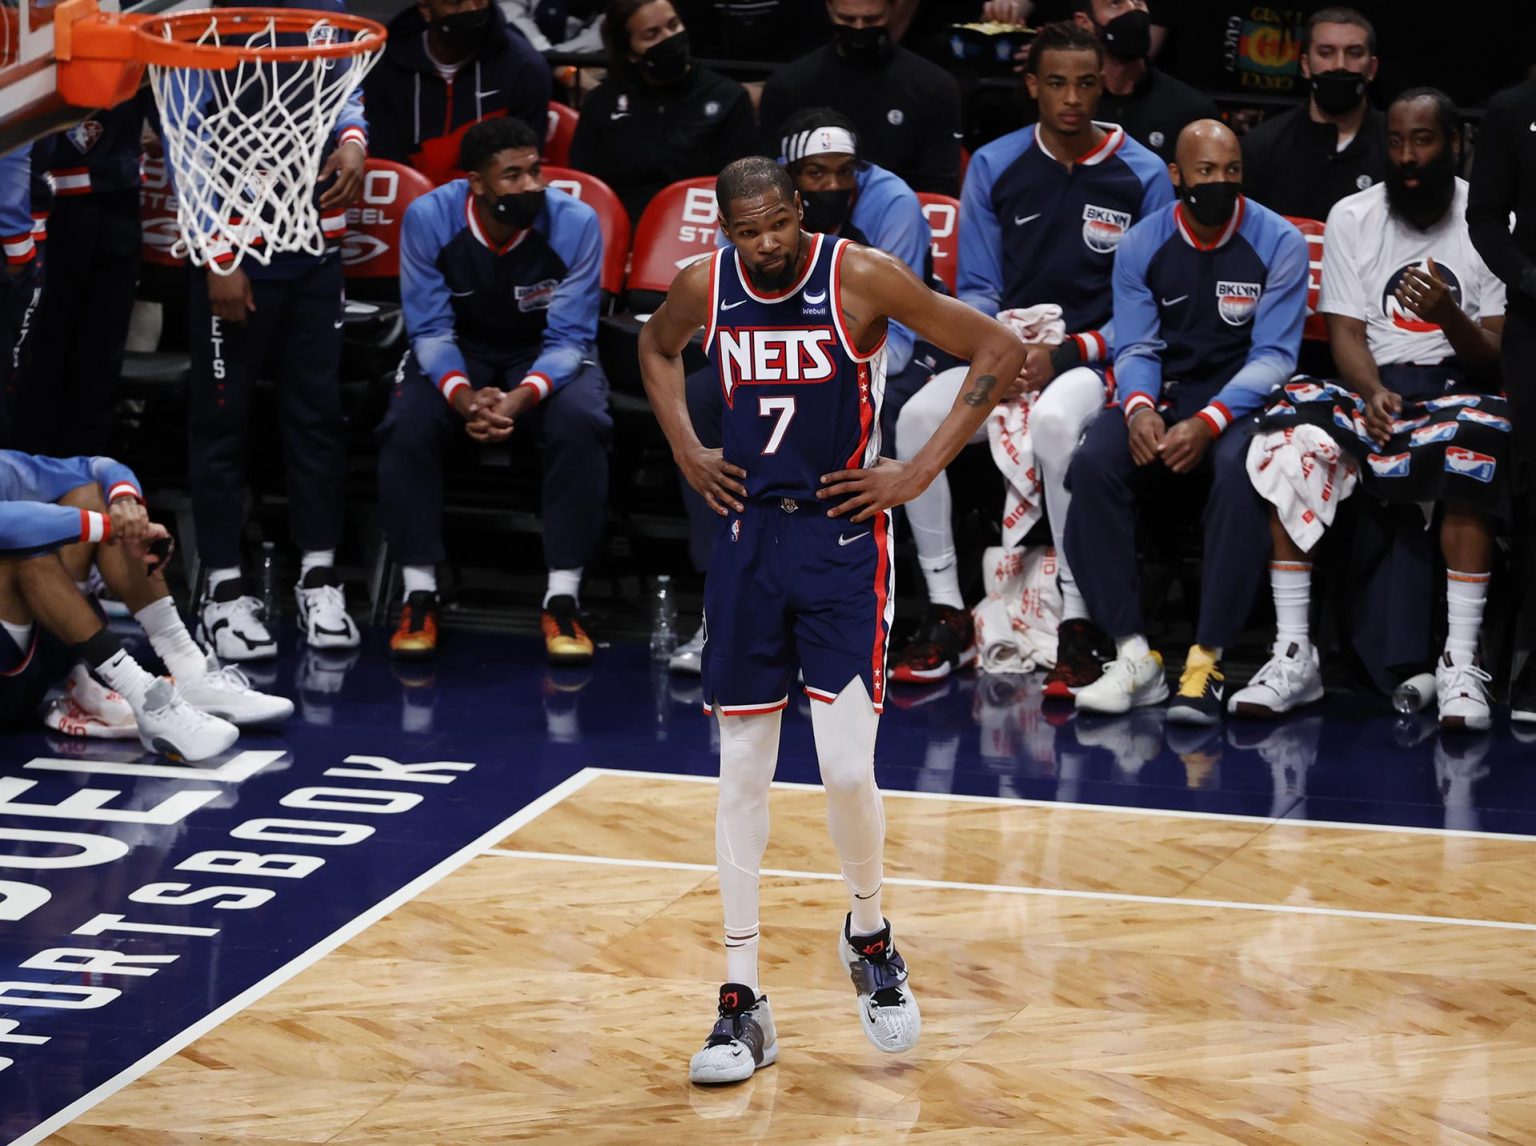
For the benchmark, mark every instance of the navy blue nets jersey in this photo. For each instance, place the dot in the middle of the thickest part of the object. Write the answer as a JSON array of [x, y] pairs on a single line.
[[800, 400], [1033, 231]]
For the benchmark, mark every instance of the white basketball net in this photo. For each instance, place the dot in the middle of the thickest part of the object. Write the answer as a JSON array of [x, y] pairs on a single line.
[[243, 145]]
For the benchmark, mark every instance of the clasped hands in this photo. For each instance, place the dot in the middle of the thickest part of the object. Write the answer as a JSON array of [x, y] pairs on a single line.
[[490, 414]]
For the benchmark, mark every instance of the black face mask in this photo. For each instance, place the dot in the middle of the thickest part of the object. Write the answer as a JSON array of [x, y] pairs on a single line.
[[667, 61], [463, 32], [826, 211], [1338, 91], [1426, 204], [519, 209], [1211, 204], [1128, 36], [862, 45]]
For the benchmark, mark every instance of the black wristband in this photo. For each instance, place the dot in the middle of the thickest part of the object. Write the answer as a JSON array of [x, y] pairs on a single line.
[[99, 648], [1066, 356]]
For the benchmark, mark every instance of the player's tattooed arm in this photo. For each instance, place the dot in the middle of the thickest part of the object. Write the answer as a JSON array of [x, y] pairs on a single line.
[[981, 389]]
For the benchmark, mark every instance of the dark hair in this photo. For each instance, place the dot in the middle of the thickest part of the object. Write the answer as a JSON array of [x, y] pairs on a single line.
[[749, 177], [616, 36], [1062, 36], [1445, 110], [1339, 15], [485, 139]]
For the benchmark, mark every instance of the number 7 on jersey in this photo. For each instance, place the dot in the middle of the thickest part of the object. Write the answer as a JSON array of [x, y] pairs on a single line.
[[785, 409]]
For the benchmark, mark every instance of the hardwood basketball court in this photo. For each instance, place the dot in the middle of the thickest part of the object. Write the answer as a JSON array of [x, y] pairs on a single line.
[[1087, 975]]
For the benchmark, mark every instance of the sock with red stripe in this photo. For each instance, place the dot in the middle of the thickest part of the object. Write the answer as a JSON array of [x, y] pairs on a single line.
[[1465, 596], [1291, 584]]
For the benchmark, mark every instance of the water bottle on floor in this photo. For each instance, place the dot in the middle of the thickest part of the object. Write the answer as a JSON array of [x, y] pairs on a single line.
[[663, 619], [1415, 694]]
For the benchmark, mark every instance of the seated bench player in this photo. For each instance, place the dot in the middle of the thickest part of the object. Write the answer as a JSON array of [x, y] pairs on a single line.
[[499, 281], [1209, 301], [1414, 321], [58, 517]]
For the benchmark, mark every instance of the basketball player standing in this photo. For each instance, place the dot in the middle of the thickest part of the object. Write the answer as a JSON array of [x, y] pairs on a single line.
[[800, 579]]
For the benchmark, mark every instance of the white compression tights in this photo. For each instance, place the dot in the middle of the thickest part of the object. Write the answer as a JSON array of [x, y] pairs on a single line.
[[928, 513], [749, 750], [1056, 424]]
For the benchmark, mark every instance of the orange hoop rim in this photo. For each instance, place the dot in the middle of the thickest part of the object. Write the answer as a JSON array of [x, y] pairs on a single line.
[[168, 39]]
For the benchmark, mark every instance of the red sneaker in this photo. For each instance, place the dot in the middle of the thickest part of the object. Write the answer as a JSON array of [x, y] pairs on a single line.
[[946, 642]]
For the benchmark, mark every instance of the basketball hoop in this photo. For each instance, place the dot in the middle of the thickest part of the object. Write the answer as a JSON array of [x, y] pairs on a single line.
[[248, 100]]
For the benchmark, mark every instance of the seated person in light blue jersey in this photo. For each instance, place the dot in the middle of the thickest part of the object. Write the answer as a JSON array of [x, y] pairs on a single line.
[[58, 518], [1210, 296], [852, 199], [499, 281], [1041, 214]]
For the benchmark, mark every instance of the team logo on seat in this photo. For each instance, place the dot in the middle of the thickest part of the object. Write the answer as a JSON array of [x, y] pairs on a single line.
[[1236, 302], [1103, 229]]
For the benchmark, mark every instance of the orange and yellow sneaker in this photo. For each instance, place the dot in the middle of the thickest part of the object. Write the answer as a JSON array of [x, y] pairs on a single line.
[[565, 641], [415, 638]]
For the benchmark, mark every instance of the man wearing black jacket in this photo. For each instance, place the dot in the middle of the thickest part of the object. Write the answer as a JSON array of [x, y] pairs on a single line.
[[1302, 162], [448, 65], [906, 109], [1504, 181]]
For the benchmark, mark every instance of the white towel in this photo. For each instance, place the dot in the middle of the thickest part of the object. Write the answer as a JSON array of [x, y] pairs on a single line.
[[1016, 623], [1008, 427], [1304, 474]]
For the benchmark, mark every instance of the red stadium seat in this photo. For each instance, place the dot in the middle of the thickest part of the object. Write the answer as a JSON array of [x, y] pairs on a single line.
[[679, 225], [611, 217], [371, 247], [1316, 328], [558, 135], [943, 215], [965, 163]]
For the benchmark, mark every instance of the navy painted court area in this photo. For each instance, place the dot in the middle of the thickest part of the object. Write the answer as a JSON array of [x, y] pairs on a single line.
[[380, 785]]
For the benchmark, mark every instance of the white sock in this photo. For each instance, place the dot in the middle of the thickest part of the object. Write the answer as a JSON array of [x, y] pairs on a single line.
[[169, 638], [316, 559], [563, 583], [126, 676], [419, 579], [21, 634], [942, 576], [1465, 596], [845, 747], [216, 577], [1073, 607], [1132, 648], [749, 754], [1291, 584]]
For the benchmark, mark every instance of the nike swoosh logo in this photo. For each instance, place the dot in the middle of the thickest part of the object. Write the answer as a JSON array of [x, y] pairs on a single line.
[[841, 540], [1533, 127], [618, 115], [1174, 301], [815, 299], [339, 325], [461, 293], [489, 94], [1019, 221], [733, 305]]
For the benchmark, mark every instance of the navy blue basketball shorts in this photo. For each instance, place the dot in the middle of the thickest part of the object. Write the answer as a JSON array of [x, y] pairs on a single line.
[[792, 591]]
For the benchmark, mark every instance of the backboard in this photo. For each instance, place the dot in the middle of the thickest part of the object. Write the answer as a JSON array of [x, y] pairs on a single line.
[[30, 106]]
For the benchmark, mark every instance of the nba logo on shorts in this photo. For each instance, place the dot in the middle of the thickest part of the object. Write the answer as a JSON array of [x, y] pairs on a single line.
[[1470, 463], [1403, 425], [1103, 229], [1438, 432], [1236, 302], [1482, 419], [1350, 422], [1389, 465], [1282, 410], [1454, 400], [1304, 391], [736, 530]]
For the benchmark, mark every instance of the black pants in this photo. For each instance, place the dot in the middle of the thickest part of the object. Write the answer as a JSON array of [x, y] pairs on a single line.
[[20, 296], [93, 254], [1520, 385], [292, 337]]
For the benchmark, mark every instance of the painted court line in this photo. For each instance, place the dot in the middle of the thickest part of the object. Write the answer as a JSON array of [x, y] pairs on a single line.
[[1043, 892], [299, 963], [1018, 802]]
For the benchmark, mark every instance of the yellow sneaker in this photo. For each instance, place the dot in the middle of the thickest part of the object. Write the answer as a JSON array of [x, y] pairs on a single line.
[[1202, 687], [565, 641]]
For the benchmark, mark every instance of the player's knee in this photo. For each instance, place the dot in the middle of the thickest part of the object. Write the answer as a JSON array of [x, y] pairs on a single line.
[[914, 426], [88, 496]]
